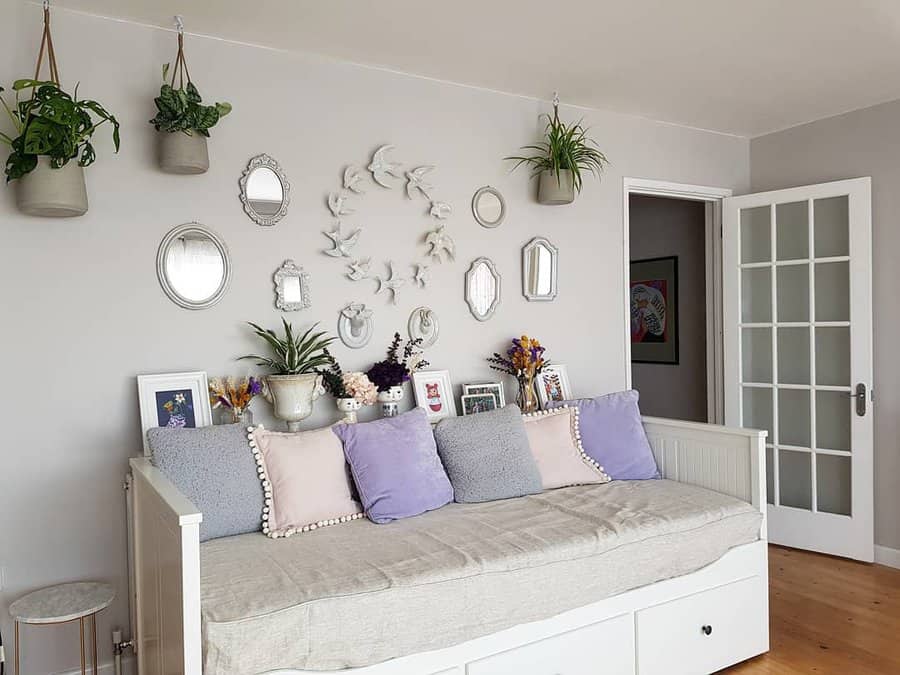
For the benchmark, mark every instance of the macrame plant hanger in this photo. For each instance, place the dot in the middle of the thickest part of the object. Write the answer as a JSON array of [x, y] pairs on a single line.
[[180, 71], [47, 47]]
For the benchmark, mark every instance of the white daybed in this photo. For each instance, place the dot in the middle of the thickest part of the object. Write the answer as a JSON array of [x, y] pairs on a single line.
[[637, 577]]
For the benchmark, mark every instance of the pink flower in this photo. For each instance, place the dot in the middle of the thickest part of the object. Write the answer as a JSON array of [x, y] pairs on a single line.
[[360, 387]]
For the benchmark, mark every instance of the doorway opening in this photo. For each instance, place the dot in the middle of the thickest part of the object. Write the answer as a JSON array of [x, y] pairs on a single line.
[[673, 310]]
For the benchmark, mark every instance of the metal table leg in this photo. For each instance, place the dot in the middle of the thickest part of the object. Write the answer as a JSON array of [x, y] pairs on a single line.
[[94, 642], [17, 648], [81, 633]]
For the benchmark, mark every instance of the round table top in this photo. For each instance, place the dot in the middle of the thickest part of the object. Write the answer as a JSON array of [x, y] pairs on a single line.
[[65, 602]]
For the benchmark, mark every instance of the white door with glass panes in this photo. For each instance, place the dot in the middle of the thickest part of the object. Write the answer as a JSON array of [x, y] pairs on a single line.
[[798, 356]]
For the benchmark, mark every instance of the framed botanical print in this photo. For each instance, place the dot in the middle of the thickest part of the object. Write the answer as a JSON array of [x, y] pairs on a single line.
[[174, 400], [552, 384], [434, 393], [654, 310]]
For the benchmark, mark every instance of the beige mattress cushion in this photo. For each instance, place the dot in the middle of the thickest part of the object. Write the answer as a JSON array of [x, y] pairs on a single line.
[[362, 593]]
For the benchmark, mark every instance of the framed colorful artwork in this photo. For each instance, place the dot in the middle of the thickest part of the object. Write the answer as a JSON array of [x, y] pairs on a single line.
[[552, 384], [434, 393], [654, 310], [174, 400], [495, 388], [472, 404]]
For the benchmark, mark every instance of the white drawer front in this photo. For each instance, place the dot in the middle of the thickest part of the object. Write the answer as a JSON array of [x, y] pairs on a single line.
[[605, 648], [704, 632]]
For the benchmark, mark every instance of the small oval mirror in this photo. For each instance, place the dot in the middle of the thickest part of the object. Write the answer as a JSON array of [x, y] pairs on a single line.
[[540, 260], [488, 206], [193, 266], [265, 191], [482, 289]]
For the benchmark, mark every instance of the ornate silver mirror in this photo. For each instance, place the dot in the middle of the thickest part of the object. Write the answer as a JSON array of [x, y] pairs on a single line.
[[482, 288], [291, 287], [423, 324], [265, 191], [540, 262], [488, 206], [193, 266]]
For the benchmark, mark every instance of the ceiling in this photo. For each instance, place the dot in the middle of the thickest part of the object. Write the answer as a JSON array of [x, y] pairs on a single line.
[[744, 67]]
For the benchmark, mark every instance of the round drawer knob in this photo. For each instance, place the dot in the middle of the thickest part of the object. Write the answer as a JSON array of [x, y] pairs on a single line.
[[707, 630]]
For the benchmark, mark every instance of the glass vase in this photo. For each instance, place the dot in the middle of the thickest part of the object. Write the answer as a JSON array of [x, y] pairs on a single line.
[[243, 417], [526, 398]]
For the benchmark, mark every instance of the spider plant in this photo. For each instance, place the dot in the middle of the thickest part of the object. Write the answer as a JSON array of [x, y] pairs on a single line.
[[292, 355], [566, 147]]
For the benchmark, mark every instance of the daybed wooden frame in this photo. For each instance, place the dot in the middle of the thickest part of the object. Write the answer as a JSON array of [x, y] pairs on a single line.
[[694, 624]]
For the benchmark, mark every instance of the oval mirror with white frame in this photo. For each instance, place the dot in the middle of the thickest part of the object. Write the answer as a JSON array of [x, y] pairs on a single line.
[[488, 206], [482, 288], [540, 269], [193, 266], [265, 191]]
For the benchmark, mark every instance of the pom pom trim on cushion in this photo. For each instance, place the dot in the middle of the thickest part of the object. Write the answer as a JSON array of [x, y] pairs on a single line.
[[576, 435], [268, 502]]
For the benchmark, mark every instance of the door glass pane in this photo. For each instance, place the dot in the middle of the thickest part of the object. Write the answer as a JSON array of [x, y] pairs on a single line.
[[795, 478], [832, 235], [833, 484], [756, 350], [833, 411], [756, 234], [793, 417], [770, 476], [792, 231], [793, 293], [833, 356], [758, 409], [756, 295], [833, 291], [793, 355]]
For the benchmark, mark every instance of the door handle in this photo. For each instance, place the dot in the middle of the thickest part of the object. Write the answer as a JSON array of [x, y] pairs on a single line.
[[860, 396]]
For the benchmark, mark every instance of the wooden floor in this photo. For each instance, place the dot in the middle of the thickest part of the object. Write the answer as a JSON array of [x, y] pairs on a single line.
[[829, 615]]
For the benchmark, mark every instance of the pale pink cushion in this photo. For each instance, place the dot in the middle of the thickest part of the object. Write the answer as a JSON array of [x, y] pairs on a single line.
[[305, 479], [555, 442]]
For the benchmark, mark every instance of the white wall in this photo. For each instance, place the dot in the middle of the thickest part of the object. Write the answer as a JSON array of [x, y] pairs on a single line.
[[83, 312], [861, 143], [658, 227]]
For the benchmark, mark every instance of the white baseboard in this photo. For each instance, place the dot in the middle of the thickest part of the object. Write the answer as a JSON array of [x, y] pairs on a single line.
[[128, 668], [887, 556]]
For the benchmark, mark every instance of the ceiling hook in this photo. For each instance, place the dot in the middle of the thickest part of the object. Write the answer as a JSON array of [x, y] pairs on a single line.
[[555, 99], [179, 23]]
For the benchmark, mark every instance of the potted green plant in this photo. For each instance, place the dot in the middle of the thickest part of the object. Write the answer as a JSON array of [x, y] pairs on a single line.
[[295, 382], [182, 121], [560, 161], [50, 146]]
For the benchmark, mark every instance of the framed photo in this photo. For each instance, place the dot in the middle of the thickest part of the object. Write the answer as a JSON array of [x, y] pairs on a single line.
[[553, 385], [654, 310], [434, 393], [473, 404], [495, 388], [177, 400]]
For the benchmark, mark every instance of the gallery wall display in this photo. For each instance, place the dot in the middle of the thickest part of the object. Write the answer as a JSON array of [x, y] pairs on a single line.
[[174, 400], [654, 310]]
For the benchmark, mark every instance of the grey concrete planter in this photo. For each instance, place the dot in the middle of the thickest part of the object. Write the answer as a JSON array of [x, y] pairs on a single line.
[[182, 154], [53, 193], [553, 191]]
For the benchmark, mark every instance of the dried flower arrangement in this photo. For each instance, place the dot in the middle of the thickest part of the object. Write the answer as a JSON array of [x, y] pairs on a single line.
[[396, 369], [233, 393], [524, 360]]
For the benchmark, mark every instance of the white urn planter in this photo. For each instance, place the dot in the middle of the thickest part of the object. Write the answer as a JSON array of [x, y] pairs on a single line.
[[390, 401], [53, 193], [349, 406], [553, 191], [292, 396], [182, 153]]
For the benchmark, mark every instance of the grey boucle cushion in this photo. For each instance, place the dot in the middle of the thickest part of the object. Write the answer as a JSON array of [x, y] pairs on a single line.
[[214, 468], [487, 456]]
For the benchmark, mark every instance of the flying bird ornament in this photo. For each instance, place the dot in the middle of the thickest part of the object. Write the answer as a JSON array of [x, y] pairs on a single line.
[[440, 210], [392, 283], [422, 276], [381, 168], [352, 178], [441, 244], [359, 269], [415, 180], [337, 205], [342, 244]]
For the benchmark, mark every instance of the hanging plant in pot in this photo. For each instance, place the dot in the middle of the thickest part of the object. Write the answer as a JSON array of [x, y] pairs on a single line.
[[52, 141], [561, 160], [295, 382], [182, 121]]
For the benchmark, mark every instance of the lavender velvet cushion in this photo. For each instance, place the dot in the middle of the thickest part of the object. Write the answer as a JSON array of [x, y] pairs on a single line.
[[395, 466], [612, 433]]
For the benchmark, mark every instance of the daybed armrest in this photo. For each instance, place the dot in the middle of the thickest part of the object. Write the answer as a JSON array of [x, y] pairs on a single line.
[[167, 574], [724, 459]]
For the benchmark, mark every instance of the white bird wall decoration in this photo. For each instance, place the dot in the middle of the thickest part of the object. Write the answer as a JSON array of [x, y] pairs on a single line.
[[440, 210], [392, 283], [337, 205], [381, 168], [422, 276], [352, 179], [415, 180], [342, 244], [441, 243], [359, 269]]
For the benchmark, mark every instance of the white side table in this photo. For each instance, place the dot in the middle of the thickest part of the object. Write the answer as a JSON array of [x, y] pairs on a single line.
[[61, 604]]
